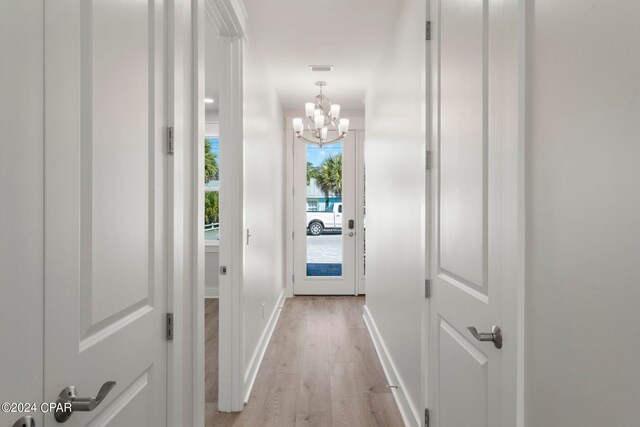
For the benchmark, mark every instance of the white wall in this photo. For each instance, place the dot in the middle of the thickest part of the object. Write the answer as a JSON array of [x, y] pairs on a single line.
[[263, 198], [394, 158], [583, 214], [211, 117], [21, 204]]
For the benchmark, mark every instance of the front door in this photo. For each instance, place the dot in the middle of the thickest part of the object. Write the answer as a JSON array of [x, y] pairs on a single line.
[[472, 378], [325, 218], [105, 208]]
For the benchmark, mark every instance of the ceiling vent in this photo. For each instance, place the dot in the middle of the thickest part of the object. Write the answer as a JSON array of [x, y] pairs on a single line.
[[321, 67]]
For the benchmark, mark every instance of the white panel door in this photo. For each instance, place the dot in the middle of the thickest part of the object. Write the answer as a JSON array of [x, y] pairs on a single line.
[[474, 207], [324, 261], [105, 204]]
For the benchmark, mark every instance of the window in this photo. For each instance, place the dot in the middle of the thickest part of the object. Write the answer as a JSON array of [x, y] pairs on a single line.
[[324, 235], [211, 190]]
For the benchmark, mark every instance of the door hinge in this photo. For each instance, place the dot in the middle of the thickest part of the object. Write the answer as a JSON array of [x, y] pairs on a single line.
[[428, 30], [293, 192], [293, 234], [169, 327], [426, 418], [170, 140], [427, 288], [293, 278], [429, 161]]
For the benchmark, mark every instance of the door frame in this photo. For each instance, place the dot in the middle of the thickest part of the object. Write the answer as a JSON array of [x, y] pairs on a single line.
[[345, 284], [178, 106], [360, 214], [186, 291], [356, 125], [228, 18]]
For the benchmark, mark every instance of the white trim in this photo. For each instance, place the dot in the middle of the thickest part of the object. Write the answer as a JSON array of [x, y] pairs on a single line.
[[212, 292], [289, 139], [198, 265], [361, 283], [425, 313], [258, 355], [231, 336], [228, 16], [229, 19], [175, 174], [212, 246], [410, 414], [524, 17]]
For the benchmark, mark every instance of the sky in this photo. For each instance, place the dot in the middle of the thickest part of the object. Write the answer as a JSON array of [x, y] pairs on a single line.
[[214, 147], [316, 154]]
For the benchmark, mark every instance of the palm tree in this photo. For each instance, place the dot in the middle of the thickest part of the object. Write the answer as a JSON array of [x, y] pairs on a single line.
[[311, 172], [329, 176], [211, 199], [211, 207], [210, 163]]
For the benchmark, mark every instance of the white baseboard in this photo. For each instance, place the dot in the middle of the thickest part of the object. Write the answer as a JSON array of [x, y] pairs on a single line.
[[410, 414], [211, 292], [256, 359]]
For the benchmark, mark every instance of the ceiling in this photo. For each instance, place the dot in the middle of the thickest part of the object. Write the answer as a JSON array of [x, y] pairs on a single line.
[[348, 34]]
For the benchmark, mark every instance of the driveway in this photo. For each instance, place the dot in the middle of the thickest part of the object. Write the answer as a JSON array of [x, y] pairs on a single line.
[[324, 249]]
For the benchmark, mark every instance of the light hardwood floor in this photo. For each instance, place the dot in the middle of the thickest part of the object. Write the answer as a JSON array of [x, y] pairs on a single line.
[[320, 369]]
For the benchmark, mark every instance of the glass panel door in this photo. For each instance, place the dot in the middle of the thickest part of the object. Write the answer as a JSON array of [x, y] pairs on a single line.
[[324, 216]]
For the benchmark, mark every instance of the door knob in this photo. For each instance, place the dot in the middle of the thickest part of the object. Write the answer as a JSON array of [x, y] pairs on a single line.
[[27, 421], [68, 402], [495, 335]]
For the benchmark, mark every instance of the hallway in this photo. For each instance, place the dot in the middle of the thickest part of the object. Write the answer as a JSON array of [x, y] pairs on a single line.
[[320, 369]]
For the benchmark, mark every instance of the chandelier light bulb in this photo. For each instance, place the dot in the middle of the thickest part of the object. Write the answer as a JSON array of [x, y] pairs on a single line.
[[319, 121], [343, 127], [309, 108], [323, 134], [297, 125], [335, 111]]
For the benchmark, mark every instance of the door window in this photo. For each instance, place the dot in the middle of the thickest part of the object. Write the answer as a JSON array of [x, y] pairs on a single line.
[[324, 192]]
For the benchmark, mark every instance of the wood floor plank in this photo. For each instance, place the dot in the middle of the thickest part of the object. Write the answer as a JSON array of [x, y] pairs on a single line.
[[314, 419], [211, 350], [315, 388], [320, 369]]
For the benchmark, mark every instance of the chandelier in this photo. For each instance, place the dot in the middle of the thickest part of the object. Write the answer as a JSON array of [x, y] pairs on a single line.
[[320, 115]]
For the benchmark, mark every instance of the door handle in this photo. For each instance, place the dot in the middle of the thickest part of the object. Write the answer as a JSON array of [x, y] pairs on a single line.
[[351, 224], [495, 335], [27, 421], [68, 402]]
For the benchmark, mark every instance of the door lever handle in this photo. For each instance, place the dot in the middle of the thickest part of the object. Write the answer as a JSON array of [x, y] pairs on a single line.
[[495, 335], [68, 401], [26, 421]]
